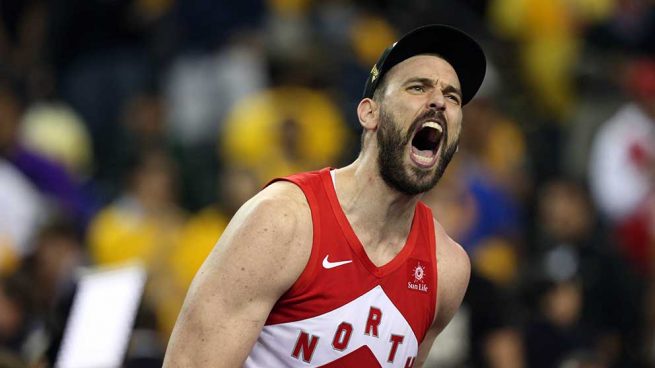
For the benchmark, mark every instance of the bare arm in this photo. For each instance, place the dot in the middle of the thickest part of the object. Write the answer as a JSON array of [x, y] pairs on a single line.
[[261, 253], [454, 271]]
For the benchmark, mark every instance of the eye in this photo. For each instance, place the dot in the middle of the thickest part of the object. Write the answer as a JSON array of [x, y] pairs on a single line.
[[453, 97], [416, 88]]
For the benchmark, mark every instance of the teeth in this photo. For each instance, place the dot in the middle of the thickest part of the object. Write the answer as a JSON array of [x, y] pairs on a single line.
[[432, 124]]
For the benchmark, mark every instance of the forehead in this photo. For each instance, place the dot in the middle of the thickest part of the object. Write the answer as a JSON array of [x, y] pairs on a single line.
[[423, 66]]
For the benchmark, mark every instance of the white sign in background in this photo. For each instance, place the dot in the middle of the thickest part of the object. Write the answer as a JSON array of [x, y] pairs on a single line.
[[101, 318]]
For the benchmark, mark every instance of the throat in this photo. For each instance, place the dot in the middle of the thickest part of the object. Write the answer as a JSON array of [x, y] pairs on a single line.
[[382, 251], [378, 217], [382, 237]]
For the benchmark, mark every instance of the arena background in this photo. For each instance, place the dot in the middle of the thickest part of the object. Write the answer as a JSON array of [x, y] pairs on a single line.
[[131, 130]]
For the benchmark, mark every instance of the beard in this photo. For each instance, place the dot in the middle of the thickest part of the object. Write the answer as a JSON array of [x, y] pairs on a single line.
[[392, 145]]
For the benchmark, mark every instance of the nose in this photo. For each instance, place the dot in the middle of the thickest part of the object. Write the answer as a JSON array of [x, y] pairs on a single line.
[[437, 101]]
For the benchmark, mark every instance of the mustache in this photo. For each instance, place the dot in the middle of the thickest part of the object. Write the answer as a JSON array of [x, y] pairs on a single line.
[[437, 115]]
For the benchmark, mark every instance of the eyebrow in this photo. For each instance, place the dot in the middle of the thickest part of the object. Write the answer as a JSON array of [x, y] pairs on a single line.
[[427, 81], [452, 89]]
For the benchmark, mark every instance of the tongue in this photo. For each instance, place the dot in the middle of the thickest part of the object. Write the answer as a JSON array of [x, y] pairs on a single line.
[[423, 153]]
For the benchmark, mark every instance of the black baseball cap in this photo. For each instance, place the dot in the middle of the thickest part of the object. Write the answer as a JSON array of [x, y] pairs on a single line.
[[456, 47]]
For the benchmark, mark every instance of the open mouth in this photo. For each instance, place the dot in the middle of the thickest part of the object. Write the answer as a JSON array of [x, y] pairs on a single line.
[[425, 144]]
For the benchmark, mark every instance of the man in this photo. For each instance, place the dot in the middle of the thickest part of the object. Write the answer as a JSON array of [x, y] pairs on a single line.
[[338, 268]]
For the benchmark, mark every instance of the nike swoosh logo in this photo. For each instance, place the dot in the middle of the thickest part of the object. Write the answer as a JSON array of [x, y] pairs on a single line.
[[327, 264]]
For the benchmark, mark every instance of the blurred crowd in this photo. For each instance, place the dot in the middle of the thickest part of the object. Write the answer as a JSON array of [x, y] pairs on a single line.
[[134, 129]]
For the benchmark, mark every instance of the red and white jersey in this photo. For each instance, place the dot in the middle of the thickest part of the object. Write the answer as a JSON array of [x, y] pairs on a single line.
[[344, 311]]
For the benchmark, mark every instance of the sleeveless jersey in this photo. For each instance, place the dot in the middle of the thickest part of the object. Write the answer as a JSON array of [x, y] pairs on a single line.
[[344, 311]]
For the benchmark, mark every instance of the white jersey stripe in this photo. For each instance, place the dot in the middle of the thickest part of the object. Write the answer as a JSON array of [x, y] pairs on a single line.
[[276, 343]]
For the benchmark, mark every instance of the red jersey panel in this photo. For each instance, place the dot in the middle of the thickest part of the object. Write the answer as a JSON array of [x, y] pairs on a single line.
[[343, 311]]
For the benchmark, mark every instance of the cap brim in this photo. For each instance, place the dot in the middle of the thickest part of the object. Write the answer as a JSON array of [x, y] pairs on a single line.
[[459, 49]]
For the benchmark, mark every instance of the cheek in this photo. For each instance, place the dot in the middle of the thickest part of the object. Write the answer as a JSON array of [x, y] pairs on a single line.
[[454, 126]]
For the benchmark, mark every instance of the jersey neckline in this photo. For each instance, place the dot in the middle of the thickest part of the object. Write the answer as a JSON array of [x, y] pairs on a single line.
[[354, 242]]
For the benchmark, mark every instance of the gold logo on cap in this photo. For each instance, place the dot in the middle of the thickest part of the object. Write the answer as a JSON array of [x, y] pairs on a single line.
[[374, 73]]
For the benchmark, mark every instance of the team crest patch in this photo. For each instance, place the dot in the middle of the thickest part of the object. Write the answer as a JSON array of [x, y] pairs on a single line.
[[374, 73], [418, 274]]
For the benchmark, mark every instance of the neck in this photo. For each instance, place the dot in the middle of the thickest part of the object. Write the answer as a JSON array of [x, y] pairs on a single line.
[[379, 214]]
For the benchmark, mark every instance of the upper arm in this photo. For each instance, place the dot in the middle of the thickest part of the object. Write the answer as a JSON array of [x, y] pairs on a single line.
[[454, 271], [259, 256]]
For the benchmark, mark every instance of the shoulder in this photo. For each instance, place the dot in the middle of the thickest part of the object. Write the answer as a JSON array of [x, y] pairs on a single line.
[[264, 249], [279, 212], [272, 233], [448, 249], [454, 270], [282, 203]]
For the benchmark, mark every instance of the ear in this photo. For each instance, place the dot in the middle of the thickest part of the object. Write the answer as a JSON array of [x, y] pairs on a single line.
[[368, 112]]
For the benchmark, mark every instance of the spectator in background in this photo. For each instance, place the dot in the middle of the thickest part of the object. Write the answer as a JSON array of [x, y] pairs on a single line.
[[58, 254], [201, 232], [284, 130], [143, 224], [287, 127], [493, 167], [21, 213], [49, 177], [16, 318], [453, 204], [143, 129], [53, 265], [590, 296], [143, 122], [203, 84], [554, 332], [201, 88], [548, 38], [622, 165], [494, 327], [55, 131], [220, 59]]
